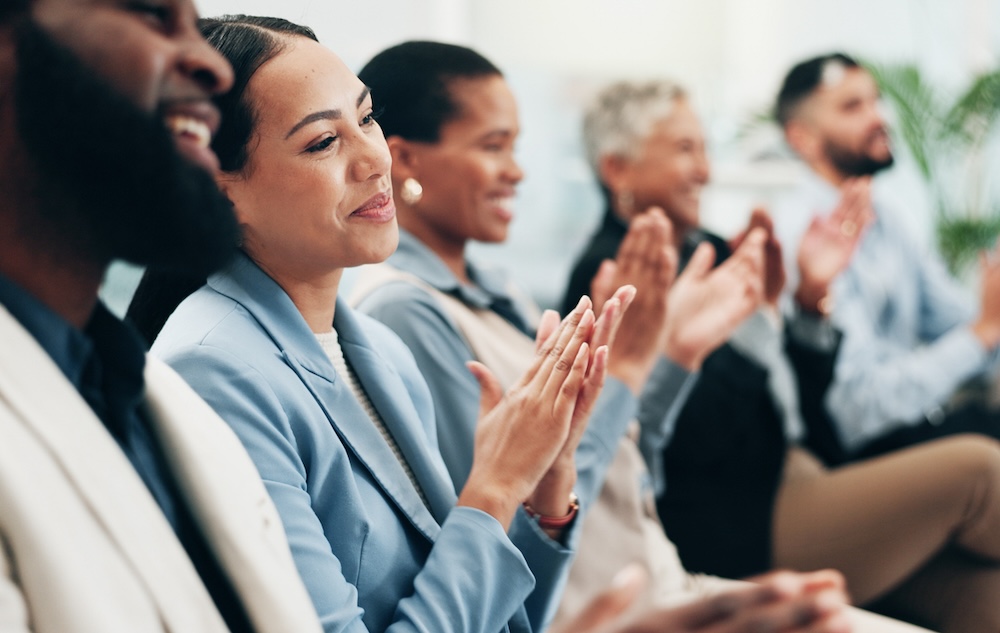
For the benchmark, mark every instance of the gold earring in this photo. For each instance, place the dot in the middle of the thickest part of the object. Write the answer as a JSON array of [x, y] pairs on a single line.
[[412, 191]]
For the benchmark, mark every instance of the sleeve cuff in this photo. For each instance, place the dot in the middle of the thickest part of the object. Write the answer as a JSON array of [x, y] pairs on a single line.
[[813, 331]]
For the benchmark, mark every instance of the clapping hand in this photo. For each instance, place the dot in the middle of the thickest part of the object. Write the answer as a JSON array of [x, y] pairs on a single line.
[[782, 602], [829, 243]]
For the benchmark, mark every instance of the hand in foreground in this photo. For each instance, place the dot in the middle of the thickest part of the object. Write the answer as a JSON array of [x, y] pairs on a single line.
[[774, 267], [647, 260], [707, 304], [521, 433], [987, 326], [780, 602], [829, 243]]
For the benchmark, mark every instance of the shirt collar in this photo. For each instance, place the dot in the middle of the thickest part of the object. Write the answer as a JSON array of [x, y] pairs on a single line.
[[416, 258], [116, 344], [68, 347]]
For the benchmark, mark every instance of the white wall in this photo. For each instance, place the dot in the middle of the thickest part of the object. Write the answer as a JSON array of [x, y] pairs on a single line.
[[731, 54]]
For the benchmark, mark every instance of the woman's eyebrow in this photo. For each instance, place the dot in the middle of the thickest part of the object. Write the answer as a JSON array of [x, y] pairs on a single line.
[[322, 115]]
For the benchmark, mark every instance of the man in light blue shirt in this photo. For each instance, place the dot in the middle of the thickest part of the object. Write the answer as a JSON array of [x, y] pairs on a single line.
[[912, 336]]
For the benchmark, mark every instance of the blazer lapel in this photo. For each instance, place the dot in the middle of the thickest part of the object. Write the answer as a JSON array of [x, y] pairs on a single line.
[[40, 395], [247, 284], [385, 388], [231, 505]]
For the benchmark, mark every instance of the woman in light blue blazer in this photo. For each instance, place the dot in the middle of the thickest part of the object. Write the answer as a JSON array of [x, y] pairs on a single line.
[[330, 404]]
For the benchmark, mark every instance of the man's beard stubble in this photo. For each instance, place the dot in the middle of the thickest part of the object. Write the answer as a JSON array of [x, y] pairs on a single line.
[[112, 180], [851, 163]]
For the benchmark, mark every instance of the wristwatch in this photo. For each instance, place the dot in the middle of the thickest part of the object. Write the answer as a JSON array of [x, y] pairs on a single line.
[[555, 523]]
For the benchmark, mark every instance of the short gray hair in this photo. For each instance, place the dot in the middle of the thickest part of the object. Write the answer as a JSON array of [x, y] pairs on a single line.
[[623, 114]]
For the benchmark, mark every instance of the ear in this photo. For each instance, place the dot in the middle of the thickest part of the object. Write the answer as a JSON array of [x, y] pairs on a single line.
[[804, 139], [231, 185], [405, 158], [615, 172]]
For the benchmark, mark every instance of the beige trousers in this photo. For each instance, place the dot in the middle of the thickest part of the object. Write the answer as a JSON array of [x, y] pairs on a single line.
[[917, 530]]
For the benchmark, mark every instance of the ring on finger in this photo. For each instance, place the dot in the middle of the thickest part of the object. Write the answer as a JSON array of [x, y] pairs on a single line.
[[848, 228]]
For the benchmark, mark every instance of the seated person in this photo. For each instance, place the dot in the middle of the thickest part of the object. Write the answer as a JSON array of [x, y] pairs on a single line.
[[912, 337], [455, 177], [743, 493], [126, 504]]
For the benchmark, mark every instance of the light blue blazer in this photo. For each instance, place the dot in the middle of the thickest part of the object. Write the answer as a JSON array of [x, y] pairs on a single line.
[[372, 555]]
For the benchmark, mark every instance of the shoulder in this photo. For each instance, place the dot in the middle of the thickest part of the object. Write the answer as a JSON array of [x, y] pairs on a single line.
[[409, 310]]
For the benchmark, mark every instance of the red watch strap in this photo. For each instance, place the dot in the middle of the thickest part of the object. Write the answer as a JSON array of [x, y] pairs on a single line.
[[555, 523]]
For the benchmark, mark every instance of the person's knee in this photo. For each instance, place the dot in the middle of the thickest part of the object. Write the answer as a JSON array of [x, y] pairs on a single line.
[[977, 454]]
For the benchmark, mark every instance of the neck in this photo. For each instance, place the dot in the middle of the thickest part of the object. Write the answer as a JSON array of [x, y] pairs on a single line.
[[829, 173], [451, 251], [43, 260], [315, 295]]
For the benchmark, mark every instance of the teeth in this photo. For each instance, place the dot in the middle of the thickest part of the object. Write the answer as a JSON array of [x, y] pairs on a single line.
[[196, 129], [504, 202]]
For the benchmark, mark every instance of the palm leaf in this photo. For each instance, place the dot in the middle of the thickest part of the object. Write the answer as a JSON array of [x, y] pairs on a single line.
[[973, 115], [918, 106]]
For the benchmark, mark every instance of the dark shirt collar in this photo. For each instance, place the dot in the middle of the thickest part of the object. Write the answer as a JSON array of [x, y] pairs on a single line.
[[488, 286], [117, 347], [66, 345]]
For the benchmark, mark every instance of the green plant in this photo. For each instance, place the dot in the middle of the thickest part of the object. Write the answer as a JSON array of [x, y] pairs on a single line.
[[947, 138]]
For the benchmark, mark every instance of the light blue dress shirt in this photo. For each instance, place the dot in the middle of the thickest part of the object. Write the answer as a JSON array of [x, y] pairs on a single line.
[[907, 345]]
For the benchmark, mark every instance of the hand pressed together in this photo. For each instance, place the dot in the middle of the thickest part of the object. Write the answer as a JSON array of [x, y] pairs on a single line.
[[780, 602], [646, 260], [522, 434]]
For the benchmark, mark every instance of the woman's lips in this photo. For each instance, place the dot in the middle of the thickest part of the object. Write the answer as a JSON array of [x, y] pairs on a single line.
[[379, 207]]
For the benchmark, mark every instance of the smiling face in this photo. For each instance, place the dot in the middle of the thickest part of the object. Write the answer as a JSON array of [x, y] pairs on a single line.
[[152, 54], [841, 127], [315, 195], [669, 169], [469, 175], [112, 107]]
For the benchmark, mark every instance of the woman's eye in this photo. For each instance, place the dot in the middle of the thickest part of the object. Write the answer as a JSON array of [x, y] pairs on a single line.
[[371, 117], [322, 145], [158, 13]]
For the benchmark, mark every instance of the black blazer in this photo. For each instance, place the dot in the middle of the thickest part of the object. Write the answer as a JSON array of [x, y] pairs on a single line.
[[725, 459]]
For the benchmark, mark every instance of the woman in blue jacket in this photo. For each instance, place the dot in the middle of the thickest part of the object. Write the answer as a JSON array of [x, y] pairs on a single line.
[[329, 403]]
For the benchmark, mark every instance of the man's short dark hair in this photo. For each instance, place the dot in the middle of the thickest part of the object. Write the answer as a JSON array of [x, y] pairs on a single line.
[[802, 80], [410, 86]]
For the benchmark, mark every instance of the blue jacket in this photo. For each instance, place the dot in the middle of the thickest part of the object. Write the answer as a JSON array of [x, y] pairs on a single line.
[[372, 555]]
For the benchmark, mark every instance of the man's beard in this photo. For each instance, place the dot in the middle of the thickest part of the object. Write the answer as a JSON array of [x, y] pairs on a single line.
[[851, 163], [110, 178]]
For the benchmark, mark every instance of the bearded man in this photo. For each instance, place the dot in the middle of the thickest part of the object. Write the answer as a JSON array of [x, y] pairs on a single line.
[[125, 504], [912, 338]]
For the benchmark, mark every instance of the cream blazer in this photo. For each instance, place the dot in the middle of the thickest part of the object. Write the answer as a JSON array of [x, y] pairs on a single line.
[[83, 546]]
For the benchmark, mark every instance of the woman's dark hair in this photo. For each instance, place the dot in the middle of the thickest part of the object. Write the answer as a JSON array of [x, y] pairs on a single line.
[[410, 86], [247, 42]]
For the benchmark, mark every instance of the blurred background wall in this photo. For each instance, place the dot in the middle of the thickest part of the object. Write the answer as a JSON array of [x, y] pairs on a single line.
[[731, 54]]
